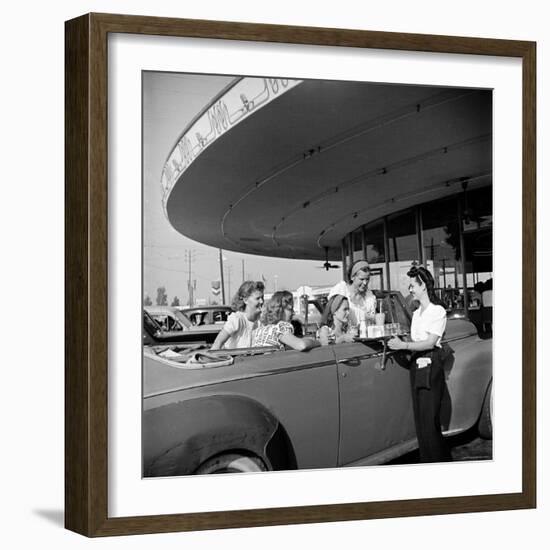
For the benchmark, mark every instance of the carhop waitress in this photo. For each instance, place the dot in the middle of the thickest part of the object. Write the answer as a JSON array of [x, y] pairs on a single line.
[[426, 365]]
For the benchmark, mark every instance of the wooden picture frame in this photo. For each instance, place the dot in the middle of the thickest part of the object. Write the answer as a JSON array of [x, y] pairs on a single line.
[[86, 279]]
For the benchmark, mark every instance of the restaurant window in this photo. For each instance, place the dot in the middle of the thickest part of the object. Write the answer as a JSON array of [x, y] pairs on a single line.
[[477, 226], [403, 248], [374, 244], [346, 253], [357, 244], [441, 241]]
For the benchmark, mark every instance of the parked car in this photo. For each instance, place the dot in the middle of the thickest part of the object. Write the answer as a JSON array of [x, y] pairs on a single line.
[[165, 325], [207, 315], [339, 405]]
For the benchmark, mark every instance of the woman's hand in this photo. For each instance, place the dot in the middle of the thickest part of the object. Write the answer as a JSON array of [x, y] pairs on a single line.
[[396, 344], [299, 344]]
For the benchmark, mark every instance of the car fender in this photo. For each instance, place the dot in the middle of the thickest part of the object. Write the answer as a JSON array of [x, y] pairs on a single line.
[[179, 437], [467, 384]]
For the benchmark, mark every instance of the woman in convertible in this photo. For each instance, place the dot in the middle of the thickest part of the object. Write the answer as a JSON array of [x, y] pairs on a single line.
[[277, 329], [362, 301], [426, 365], [334, 322], [247, 305]]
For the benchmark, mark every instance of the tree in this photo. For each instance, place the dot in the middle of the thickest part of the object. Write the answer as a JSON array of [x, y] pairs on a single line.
[[175, 301], [162, 298], [147, 301]]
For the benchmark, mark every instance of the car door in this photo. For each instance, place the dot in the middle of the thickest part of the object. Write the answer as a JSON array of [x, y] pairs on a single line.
[[375, 398], [375, 401]]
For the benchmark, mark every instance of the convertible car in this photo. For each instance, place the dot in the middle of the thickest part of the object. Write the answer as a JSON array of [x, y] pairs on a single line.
[[269, 409]]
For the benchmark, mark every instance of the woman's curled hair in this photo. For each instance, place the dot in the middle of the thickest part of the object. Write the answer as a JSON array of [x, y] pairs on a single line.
[[245, 290], [422, 275], [274, 308]]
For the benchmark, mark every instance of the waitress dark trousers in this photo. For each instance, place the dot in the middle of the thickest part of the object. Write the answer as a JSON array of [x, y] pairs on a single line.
[[427, 393]]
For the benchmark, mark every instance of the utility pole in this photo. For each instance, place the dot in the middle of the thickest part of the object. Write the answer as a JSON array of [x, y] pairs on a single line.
[[190, 292], [229, 280], [221, 276], [190, 258], [242, 265]]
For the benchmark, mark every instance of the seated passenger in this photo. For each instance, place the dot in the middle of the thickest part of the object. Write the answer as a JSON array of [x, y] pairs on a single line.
[[361, 299], [247, 305], [334, 322], [277, 329]]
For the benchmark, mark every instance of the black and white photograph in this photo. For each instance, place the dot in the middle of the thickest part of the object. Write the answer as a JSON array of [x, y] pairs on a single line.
[[292, 259], [317, 274]]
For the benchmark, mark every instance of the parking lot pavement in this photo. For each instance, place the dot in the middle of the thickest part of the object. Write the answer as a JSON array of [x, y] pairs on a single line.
[[469, 446], [466, 446]]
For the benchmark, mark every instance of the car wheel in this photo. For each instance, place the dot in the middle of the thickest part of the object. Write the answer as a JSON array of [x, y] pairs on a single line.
[[231, 463], [485, 424]]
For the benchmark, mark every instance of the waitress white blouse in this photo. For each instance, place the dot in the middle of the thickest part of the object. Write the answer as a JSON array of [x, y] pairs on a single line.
[[432, 320]]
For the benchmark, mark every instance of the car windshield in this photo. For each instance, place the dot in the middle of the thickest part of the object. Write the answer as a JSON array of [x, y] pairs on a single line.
[[167, 322], [198, 317], [170, 321], [396, 312], [150, 324], [220, 316], [184, 321]]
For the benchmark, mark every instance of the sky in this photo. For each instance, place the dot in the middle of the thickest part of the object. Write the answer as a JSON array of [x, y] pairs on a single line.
[[170, 102]]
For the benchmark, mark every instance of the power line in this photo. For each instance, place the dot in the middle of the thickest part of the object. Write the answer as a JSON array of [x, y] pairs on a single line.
[[164, 268], [197, 274]]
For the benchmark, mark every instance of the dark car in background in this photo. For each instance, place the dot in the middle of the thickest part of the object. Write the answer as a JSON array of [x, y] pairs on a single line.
[[206, 315], [167, 325]]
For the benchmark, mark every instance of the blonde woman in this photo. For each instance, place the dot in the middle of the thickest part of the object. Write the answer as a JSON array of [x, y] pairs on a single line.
[[276, 329], [335, 321], [362, 301]]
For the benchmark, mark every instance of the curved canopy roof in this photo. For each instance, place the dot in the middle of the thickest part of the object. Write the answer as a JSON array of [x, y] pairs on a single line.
[[286, 168]]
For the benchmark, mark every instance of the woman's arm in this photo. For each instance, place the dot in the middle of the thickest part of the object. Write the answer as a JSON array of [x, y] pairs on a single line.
[[220, 340], [231, 326], [299, 344], [422, 345], [344, 338]]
